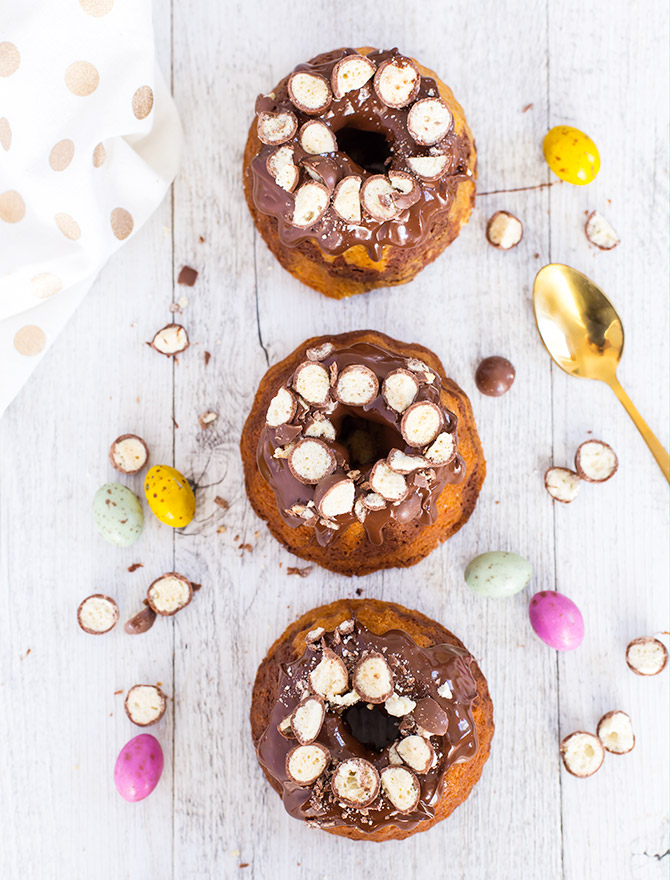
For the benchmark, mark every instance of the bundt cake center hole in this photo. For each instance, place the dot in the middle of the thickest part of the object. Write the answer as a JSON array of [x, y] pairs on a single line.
[[369, 149], [372, 727], [366, 441]]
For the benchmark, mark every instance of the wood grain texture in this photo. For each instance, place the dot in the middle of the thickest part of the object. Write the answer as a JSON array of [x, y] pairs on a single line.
[[600, 66]]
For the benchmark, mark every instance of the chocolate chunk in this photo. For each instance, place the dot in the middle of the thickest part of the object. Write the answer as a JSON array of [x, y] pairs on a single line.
[[141, 622], [187, 276]]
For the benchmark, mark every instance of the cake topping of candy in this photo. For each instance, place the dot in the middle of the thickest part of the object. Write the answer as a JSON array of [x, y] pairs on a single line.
[[358, 434], [394, 156], [366, 726]]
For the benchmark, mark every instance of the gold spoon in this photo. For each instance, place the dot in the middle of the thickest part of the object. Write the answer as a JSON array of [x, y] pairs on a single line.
[[584, 335]]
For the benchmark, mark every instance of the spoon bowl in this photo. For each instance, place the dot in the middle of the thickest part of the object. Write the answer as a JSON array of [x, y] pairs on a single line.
[[583, 333]]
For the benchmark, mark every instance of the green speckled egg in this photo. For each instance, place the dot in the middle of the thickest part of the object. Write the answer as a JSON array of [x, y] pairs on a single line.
[[169, 495], [498, 574], [117, 513]]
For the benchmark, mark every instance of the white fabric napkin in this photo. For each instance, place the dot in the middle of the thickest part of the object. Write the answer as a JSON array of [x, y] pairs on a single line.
[[90, 141]]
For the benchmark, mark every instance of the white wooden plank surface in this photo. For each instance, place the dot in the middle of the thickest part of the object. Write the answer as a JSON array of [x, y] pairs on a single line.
[[589, 64]]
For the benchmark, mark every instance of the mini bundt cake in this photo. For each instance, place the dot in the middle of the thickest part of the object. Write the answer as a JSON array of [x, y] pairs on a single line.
[[359, 170], [360, 454], [370, 721]]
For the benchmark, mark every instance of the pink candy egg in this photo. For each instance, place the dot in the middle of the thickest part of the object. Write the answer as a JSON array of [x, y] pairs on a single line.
[[556, 620], [138, 767]]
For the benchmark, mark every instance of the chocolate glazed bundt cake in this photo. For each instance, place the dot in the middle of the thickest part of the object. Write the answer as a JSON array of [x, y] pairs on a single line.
[[360, 454], [370, 721], [359, 170]]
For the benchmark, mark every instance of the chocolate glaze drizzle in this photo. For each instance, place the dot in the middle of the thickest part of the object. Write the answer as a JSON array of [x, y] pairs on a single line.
[[418, 509], [361, 110], [418, 673]]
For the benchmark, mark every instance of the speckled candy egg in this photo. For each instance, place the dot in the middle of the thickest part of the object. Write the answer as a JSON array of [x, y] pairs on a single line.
[[117, 513], [138, 767], [498, 574], [170, 497], [556, 620], [571, 154]]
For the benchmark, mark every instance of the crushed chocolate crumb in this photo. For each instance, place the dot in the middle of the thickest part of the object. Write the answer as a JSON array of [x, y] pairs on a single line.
[[207, 357], [301, 572], [135, 566], [221, 502]]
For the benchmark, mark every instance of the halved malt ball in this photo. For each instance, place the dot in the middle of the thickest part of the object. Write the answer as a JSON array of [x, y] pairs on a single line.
[[374, 501], [311, 203], [387, 483], [284, 728], [97, 614], [398, 705], [397, 81], [428, 168], [316, 138], [615, 732], [312, 382], [421, 423], [311, 460], [281, 166], [596, 461], [407, 189], [562, 484], [600, 232], [357, 385], [355, 782], [276, 128], [169, 593], [350, 74], [128, 454], [347, 199], [401, 788], [428, 121], [170, 340], [329, 677], [282, 408], [399, 390], [320, 352], [402, 463], [304, 764], [376, 198], [334, 496], [322, 429], [372, 678], [504, 230], [145, 704], [309, 92], [307, 719], [416, 752], [582, 753], [442, 449], [646, 656]]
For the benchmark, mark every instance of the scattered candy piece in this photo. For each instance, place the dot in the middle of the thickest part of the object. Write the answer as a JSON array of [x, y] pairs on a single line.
[[582, 754], [571, 155], [169, 495], [600, 233], [117, 514], [556, 620], [495, 376], [128, 454], [169, 593], [646, 656], [615, 732], [504, 231], [562, 484], [187, 276], [170, 340], [138, 768], [596, 462], [97, 614], [145, 704], [141, 622], [498, 574]]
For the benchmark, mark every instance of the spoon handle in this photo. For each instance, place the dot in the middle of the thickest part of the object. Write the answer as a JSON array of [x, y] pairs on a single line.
[[648, 435]]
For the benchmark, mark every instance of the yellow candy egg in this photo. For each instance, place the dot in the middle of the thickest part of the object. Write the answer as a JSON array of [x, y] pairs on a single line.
[[169, 495], [571, 154]]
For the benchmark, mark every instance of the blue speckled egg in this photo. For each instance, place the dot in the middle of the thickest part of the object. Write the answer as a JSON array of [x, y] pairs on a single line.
[[117, 514]]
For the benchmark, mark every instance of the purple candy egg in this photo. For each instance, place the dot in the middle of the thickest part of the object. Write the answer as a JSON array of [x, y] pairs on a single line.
[[556, 620], [138, 767]]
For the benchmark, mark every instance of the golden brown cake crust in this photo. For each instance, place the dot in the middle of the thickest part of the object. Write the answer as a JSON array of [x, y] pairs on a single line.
[[351, 553], [378, 617], [354, 271]]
